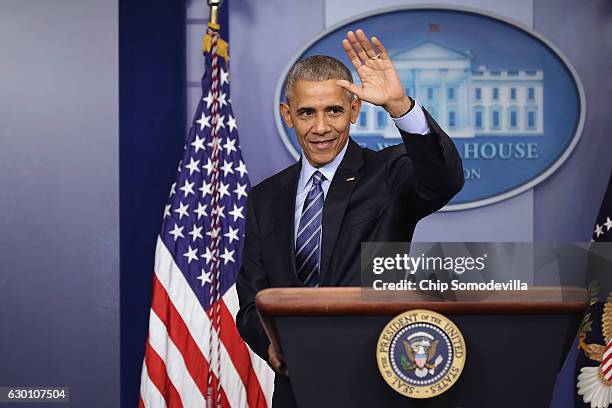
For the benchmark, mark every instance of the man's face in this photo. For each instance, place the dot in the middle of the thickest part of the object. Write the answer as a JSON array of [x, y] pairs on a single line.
[[321, 114]]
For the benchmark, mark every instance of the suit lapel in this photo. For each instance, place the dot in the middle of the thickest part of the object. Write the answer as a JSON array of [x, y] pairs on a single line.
[[336, 202], [285, 209]]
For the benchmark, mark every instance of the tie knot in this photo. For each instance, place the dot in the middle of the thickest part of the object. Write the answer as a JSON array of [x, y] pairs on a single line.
[[317, 178]]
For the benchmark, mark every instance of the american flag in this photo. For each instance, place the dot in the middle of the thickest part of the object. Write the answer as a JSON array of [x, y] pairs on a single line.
[[194, 355]]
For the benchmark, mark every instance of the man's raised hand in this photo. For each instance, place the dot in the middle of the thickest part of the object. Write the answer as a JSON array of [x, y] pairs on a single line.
[[380, 83]]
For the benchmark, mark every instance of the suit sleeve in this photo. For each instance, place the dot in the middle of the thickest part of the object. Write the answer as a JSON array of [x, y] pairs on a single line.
[[427, 173], [252, 279]]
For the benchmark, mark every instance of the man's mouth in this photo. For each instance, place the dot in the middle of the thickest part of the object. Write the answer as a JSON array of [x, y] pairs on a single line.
[[321, 144]]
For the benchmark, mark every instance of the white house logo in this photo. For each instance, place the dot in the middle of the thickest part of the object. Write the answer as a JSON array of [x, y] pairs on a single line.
[[512, 103]]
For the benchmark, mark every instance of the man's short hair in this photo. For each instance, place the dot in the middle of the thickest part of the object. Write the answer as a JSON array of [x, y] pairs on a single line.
[[317, 68]]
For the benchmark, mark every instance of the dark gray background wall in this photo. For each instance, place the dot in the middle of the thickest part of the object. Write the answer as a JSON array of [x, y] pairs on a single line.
[[59, 197]]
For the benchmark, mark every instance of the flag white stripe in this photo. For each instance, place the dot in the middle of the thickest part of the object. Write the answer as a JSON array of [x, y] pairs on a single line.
[[175, 364], [198, 323], [264, 373], [605, 366], [151, 397]]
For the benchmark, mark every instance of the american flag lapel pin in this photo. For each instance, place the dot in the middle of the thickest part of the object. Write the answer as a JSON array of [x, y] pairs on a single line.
[[350, 179]]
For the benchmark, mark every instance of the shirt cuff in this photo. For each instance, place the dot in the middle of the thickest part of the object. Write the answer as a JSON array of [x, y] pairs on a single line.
[[414, 121]]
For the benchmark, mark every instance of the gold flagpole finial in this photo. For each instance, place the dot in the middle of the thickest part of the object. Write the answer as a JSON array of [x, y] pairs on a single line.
[[214, 10], [213, 23]]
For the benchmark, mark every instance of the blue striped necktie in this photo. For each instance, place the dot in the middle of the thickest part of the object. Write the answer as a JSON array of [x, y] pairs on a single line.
[[308, 240]]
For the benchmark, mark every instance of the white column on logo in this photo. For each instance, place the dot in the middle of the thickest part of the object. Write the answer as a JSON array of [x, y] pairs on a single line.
[[466, 99], [443, 99], [415, 75]]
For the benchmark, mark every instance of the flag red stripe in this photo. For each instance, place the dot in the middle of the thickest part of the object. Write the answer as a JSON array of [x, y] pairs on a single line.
[[159, 377], [195, 362], [241, 358], [605, 360]]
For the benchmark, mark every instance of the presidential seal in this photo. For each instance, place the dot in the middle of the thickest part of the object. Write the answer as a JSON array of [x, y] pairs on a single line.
[[420, 353]]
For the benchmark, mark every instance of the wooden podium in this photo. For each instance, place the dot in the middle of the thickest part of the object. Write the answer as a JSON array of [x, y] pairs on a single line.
[[516, 343]]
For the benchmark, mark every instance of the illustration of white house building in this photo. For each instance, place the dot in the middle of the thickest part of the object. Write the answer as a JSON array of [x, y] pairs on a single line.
[[466, 102]]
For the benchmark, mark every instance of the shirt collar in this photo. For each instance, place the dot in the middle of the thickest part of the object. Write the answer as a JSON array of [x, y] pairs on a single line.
[[328, 170]]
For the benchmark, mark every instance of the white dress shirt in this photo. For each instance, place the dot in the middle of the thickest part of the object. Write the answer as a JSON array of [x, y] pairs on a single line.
[[412, 122]]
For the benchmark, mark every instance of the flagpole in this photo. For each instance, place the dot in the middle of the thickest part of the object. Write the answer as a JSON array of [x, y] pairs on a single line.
[[215, 288]]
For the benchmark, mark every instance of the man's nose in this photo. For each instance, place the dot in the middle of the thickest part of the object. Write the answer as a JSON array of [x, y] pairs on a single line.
[[321, 125]]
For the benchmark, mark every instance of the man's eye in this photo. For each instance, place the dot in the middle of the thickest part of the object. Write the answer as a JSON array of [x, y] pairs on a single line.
[[335, 111], [307, 114]]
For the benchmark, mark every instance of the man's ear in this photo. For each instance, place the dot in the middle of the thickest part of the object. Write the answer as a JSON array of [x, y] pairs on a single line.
[[286, 112], [355, 108]]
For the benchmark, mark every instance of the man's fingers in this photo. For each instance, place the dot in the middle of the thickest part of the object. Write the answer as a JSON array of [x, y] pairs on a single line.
[[276, 360], [354, 41], [349, 87], [350, 53], [381, 48], [276, 363], [279, 366], [365, 43]]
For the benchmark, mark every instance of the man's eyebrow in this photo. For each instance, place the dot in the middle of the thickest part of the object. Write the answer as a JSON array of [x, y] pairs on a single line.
[[305, 109], [308, 109]]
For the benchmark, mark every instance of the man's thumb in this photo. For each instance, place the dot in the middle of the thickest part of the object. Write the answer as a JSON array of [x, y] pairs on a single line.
[[349, 87]]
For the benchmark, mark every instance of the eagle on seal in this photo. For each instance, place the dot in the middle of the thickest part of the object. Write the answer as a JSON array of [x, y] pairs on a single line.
[[422, 353]]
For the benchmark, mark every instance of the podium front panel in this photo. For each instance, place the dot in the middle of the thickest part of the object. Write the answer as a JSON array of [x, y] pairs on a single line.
[[512, 361]]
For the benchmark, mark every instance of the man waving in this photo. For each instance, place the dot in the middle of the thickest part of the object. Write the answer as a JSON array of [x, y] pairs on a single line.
[[305, 224]]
